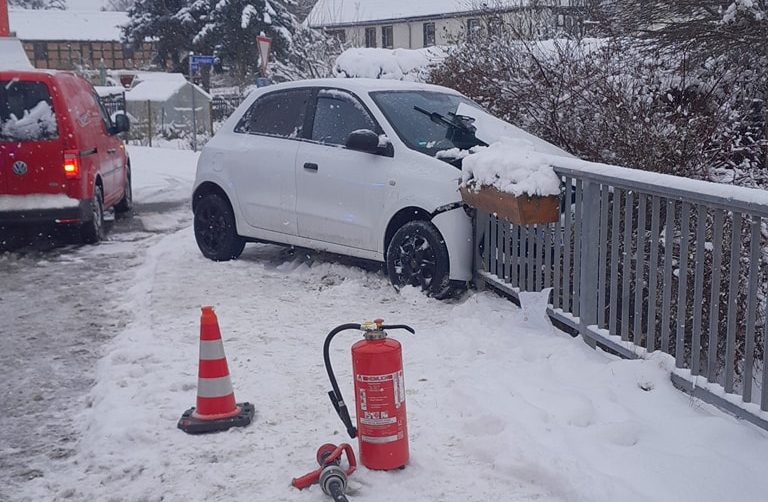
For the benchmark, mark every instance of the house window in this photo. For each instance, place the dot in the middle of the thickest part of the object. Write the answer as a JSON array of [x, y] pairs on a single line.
[[387, 37], [339, 35], [370, 37], [429, 34], [473, 27]]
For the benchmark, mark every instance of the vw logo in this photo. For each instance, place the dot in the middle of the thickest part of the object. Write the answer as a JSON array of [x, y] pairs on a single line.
[[20, 168]]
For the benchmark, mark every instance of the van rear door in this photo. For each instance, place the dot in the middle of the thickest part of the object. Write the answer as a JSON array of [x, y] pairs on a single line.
[[31, 158]]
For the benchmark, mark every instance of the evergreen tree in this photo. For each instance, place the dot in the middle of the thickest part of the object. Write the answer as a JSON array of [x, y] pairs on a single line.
[[230, 27], [170, 22]]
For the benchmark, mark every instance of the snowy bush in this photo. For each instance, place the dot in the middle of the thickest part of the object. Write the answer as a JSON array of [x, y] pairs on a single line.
[[395, 64], [608, 101]]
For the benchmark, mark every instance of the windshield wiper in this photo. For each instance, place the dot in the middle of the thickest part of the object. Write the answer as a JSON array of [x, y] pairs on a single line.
[[460, 128]]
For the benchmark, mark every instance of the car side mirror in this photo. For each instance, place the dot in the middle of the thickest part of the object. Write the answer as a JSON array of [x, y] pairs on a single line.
[[122, 124], [365, 140]]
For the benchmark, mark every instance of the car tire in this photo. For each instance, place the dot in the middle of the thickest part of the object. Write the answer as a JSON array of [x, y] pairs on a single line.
[[215, 230], [92, 230], [126, 203], [417, 256]]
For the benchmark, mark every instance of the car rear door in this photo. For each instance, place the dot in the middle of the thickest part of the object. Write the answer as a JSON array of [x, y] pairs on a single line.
[[31, 159], [262, 157], [341, 192]]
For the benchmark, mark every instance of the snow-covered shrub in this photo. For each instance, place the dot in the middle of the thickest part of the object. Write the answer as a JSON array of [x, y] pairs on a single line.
[[607, 101], [395, 64]]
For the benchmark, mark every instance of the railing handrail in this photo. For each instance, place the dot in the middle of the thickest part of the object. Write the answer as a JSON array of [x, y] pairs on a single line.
[[728, 197]]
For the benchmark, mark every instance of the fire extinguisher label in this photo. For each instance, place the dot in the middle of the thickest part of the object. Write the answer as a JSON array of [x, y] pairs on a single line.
[[380, 403]]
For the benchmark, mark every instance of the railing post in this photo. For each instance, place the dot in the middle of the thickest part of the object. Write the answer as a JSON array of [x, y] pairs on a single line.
[[590, 258]]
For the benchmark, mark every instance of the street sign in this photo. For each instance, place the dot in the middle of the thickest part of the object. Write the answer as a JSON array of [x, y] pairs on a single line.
[[195, 61], [265, 44], [198, 59]]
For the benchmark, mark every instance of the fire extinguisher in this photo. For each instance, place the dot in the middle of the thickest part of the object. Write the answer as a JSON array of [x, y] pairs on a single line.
[[377, 368]]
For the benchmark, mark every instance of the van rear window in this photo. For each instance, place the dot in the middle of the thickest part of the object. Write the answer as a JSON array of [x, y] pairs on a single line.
[[26, 111]]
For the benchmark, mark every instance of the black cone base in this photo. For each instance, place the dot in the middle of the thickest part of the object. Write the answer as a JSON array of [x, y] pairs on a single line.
[[192, 425]]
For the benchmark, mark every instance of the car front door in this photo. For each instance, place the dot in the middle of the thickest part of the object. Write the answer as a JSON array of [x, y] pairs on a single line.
[[111, 153], [263, 158], [341, 192]]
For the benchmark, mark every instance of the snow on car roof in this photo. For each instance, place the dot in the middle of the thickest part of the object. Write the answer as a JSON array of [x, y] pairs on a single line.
[[340, 12], [362, 85], [67, 24]]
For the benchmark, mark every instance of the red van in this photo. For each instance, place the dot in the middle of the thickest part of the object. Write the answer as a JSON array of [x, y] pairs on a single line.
[[61, 159]]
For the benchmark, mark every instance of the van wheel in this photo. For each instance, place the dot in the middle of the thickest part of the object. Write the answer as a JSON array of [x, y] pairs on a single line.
[[93, 230], [126, 203], [417, 256], [215, 230]]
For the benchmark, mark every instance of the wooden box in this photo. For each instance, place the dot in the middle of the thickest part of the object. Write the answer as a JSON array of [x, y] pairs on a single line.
[[523, 210]]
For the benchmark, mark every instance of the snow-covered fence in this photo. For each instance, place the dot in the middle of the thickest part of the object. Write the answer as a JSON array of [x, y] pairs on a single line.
[[641, 262]]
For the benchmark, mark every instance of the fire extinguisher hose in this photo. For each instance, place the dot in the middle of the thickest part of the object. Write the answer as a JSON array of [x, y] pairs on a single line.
[[336, 399]]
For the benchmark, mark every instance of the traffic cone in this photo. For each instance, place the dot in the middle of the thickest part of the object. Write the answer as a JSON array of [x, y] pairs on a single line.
[[216, 408]]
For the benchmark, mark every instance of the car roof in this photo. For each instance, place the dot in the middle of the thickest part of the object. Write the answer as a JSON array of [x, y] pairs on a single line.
[[362, 85], [35, 75]]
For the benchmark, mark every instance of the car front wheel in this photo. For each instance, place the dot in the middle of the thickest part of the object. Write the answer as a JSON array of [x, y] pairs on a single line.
[[417, 256], [215, 230]]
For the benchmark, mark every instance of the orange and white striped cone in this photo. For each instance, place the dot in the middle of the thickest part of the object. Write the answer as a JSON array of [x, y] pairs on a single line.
[[216, 408]]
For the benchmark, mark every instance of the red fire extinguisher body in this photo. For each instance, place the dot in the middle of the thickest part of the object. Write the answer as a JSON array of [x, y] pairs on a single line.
[[377, 367]]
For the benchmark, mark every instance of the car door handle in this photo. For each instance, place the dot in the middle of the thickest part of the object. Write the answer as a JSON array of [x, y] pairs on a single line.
[[111, 150], [310, 166]]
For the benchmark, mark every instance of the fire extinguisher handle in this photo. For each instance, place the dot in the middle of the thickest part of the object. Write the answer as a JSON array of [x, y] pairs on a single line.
[[398, 326]]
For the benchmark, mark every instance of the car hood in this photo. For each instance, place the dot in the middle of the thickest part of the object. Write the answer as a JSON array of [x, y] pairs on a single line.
[[491, 130]]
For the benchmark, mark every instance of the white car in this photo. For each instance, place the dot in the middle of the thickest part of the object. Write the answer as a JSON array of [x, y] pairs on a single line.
[[346, 166]]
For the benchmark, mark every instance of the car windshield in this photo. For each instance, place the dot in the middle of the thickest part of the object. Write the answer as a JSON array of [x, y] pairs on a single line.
[[26, 111], [409, 113]]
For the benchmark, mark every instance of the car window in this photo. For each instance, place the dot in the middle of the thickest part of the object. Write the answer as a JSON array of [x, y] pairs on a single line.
[[103, 112], [277, 114], [26, 111], [416, 129], [337, 114]]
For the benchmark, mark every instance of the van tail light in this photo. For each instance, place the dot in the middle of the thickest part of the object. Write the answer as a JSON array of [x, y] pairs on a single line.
[[72, 164]]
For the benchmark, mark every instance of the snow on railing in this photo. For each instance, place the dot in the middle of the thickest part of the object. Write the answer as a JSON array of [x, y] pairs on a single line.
[[640, 262]]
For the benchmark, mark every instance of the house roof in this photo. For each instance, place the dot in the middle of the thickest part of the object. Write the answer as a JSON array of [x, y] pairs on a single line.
[[158, 86], [350, 12], [67, 24]]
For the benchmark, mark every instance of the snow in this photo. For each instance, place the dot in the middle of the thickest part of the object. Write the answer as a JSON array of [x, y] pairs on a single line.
[[37, 123], [12, 55], [161, 175], [395, 64], [158, 86], [339, 12], [512, 166], [67, 24], [501, 406], [491, 129], [108, 90], [695, 188], [37, 201]]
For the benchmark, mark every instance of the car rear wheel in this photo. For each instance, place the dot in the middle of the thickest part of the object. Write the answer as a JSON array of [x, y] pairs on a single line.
[[215, 230], [126, 203], [92, 231], [417, 256]]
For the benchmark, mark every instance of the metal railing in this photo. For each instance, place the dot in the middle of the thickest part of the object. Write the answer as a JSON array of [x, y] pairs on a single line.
[[639, 263]]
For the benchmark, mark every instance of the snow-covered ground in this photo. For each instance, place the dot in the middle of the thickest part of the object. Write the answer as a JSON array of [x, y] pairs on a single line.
[[501, 406]]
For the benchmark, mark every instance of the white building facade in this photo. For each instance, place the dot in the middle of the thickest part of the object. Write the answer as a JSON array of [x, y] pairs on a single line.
[[414, 24]]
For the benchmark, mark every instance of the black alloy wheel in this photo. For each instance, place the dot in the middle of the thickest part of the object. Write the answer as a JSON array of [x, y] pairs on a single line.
[[417, 256], [215, 230]]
